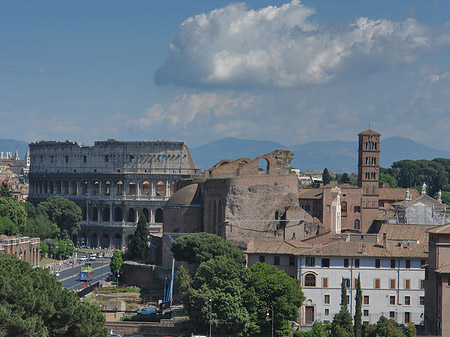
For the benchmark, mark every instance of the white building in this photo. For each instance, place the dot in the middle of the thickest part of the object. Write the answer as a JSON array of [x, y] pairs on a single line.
[[392, 279]]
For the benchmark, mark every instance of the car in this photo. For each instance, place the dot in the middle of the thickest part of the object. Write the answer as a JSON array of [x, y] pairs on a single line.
[[99, 255], [147, 311], [83, 258], [57, 274], [294, 324]]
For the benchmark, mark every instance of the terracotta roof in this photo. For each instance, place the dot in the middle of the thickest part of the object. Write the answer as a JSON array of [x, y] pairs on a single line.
[[406, 232], [313, 193], [276, 247], [369, 132], [396, 194], [443, 269], [444, 229], [352, 249]]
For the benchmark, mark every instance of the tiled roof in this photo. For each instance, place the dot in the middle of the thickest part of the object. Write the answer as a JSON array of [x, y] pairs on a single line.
[[369, 132], [396, 193], [351, 249], [406, 232], [276, 247], [445, 229], [443, 270], [313, 193]]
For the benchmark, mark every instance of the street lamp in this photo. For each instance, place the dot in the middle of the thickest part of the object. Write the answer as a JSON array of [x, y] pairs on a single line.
[[210, 315], [117, 294], [269, 315]]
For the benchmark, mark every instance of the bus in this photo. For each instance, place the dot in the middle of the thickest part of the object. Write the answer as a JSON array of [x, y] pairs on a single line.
[[87, 272]]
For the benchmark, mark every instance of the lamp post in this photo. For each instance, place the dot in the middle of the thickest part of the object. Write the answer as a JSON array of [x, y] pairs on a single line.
[[210, 315], [117, 294], [269, 315]]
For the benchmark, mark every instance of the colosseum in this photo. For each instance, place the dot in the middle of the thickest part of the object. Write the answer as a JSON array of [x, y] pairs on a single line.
[[112, 182]]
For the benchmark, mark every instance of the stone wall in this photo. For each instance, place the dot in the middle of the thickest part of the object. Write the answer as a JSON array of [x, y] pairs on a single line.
[[138, 274]]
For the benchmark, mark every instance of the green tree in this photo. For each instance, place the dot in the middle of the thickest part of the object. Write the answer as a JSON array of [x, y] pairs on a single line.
[[200, 247], [7, 227], [358, 309], [4, 191], [138, 246], [344, 179], [319, 329], [64, 212], [44, 249], [275, 288], [34, 304], [410, 330], [116, 262], [386, 328], [326, 176], [342, 323], [385, 178], [64, 249], [14, 210], [41, 226]]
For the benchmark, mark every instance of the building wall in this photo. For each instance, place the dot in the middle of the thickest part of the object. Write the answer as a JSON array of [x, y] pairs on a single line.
[[253, 206], [25, 248], [112, 181], [284, 262], [379, 299]]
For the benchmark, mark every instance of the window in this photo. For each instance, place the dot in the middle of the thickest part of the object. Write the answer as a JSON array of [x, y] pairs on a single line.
[[343, 208], [106, 158], [84, 159], [407, 300], [408, 264], [366, 300], [422, 300], [355, 282], [324, 282], [377, 283], [392, 283], [357, 224], [262, 258], [327, 312], [309, 314], [310, 261], [310, 280], [67, 159], [407, 284], [366, 313], [391, 300], [421, 284], [131, 158], [407, 317], [357, 209], [347, 283], [377, 263], [276, 260], [345, 263], [392, 315], [356, 263], [326, 299], [423, 263], [392, 263], [291, 260], [325, 263]]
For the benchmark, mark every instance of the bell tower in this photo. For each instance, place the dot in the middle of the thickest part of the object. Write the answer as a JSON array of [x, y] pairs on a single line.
[[369, 175]]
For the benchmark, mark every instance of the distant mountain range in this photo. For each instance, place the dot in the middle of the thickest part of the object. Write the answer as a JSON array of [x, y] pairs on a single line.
[[337, 156]]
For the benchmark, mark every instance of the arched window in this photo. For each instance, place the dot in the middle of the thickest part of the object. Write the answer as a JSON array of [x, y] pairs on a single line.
[[356, 224], [343, 208], [107, 188], [96, 187], [146, 188], [132, 188], [159, 215], [160, 188], [119, 188], [310, 280], [146, 214], [131, 215], [118, 215], [94, 214], [105, 213]]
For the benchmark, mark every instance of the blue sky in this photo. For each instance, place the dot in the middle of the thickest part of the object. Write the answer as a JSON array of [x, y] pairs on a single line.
[[198, 71]]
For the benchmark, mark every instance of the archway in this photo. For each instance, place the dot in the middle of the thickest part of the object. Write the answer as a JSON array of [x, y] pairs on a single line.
[[117, 241], [118, 214], [146, 214], [263, 166], [104, 241], [131, 215], [105, 213], [159, 215]]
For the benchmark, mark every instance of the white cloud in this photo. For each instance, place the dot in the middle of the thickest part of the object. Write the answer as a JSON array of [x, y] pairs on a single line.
[[283, 47]]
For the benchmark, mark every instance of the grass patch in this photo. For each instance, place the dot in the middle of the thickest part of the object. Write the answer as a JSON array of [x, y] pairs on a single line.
[[45, 261]]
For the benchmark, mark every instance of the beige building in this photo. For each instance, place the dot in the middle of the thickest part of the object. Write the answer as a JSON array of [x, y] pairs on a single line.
[[25, 248]]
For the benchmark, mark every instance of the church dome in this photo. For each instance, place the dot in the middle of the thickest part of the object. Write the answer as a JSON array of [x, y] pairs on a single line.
[[187, 196]]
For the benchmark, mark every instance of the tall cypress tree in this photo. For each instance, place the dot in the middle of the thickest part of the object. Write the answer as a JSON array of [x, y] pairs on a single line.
[[138, 246], [358, 310], [326, 176], [342, 323]]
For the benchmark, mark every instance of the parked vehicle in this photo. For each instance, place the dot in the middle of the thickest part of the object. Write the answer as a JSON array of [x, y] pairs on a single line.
[[147, 311], [92, 257], [83, 258]]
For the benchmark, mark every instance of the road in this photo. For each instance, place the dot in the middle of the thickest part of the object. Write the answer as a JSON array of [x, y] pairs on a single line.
[[70, 278]]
